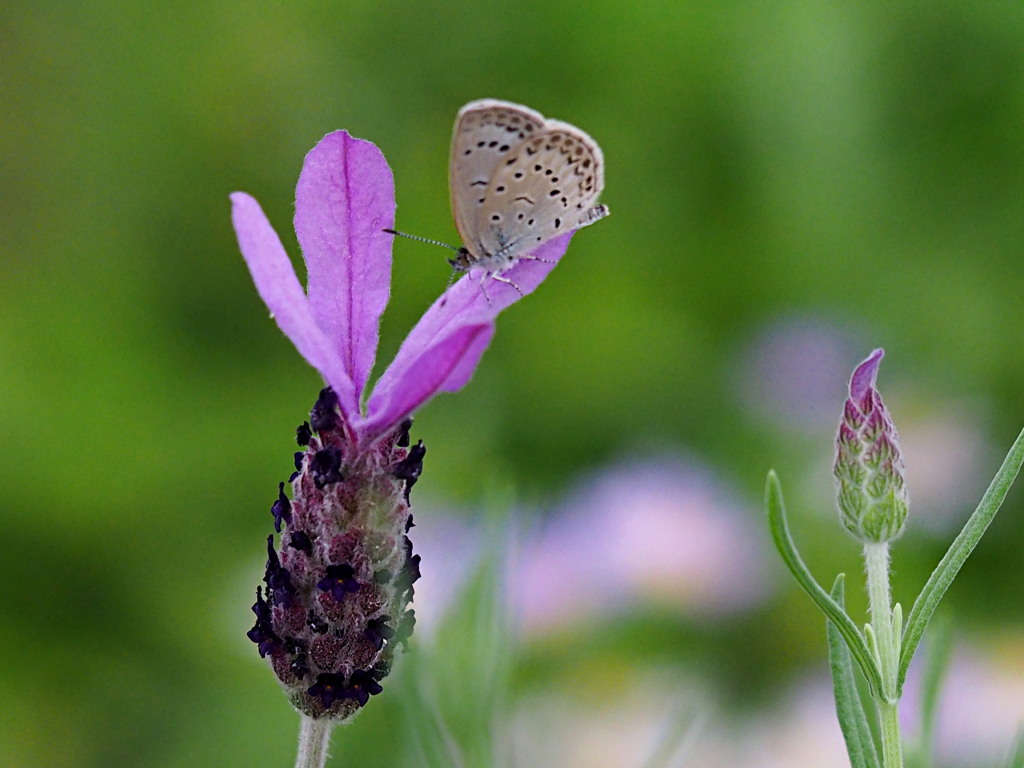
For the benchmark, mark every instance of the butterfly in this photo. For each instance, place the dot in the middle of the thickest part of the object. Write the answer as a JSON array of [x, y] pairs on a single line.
[[517, 180]]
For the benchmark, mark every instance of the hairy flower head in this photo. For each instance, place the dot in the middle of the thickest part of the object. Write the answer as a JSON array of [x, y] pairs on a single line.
[[869, 472]]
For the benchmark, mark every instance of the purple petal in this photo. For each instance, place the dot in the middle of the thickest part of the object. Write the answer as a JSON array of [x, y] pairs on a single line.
[[426, 353], [864, 375], [445, 366], [280, 289], [344, 199]]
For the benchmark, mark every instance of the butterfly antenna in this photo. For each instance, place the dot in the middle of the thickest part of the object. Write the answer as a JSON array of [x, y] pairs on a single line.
[[421, 239]]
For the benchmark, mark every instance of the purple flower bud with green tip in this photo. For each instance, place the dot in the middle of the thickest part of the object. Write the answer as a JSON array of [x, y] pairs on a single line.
[[338, 586], [870, 483]]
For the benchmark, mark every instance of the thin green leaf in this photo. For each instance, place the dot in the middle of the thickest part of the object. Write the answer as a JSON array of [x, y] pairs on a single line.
[[784, 543], [962, 546], [853, 722]]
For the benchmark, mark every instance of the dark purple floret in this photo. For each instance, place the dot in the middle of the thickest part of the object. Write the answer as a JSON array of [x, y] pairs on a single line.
[[299, 666], [328, 688], [406, 626], [263, 633], [327, 467], [410, 571], [316, 623], [403, 433], [298, 462], [324, 417], [409, 523], [361, 686], [413, 568], [339, 581], [281, 509], [300, 660], [377, 631], [300, 540], [303, 434], [381, 669], [411, 467], [277, 578]]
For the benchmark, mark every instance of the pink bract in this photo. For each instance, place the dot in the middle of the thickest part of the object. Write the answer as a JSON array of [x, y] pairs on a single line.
[[344, 200]]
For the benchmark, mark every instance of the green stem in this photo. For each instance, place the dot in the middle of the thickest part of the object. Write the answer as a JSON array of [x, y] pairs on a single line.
[[876, 561], [892, 747], [314, 738]]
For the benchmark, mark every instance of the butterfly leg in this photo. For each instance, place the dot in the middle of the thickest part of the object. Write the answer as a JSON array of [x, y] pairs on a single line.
[[483, 286], [501, 279], [529, 257]]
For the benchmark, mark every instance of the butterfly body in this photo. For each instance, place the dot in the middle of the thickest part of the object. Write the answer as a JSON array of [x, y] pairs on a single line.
[[517, 180]]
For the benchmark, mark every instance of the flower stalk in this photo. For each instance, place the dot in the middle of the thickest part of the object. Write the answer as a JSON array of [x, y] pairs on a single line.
[[314, 740], [872, 497], [876, 561]]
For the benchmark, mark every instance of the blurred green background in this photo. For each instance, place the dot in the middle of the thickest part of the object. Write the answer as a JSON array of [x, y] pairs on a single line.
[[792, 183]]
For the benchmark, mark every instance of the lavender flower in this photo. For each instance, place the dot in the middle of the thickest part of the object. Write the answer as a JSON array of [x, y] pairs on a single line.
[[869, 468], [339, 585]]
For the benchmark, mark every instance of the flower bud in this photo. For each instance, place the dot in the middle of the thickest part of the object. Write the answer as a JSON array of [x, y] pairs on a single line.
[[338, 587], [869, 471]]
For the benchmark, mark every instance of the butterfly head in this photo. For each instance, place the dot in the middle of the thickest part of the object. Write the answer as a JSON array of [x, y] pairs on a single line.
[[463, 260]]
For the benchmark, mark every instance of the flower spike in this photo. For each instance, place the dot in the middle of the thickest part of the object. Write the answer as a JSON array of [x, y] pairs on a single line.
[[869, 472], [339, 583]]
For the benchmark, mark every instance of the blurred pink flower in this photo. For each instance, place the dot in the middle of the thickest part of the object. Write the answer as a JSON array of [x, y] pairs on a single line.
[[787, 375], [981, 704], [645, 531], [947, 455]]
